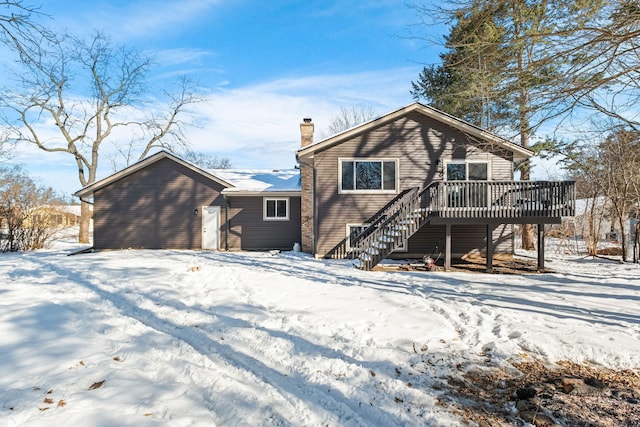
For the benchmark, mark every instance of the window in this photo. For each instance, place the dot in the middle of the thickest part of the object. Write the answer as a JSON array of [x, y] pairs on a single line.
[[276, 209], [368, 175], [467, 171], [352, 231], [472, 194]]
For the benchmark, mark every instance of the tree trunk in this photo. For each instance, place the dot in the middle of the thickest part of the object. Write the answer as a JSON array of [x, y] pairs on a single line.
[[623, 238], [85, 222], [528, 237]]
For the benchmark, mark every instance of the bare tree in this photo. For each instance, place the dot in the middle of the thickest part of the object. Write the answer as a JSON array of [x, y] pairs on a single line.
[[27, 212], [207, 162], [18, 29], [348, 118], [611, 169], [19, 33], [604, 63], [85, 93], [517, 53]]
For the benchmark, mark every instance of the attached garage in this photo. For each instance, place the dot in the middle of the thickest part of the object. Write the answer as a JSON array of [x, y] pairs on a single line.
[[164, 202]]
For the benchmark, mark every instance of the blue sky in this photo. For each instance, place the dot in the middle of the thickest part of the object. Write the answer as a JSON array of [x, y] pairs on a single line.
[[264, 64]]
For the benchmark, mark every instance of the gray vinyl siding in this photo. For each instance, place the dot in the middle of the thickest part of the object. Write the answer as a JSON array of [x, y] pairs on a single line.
[[421, 144], [154, 208], [249, 231]]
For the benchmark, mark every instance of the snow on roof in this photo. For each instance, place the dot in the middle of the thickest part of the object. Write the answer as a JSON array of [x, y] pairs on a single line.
[[259, 180]]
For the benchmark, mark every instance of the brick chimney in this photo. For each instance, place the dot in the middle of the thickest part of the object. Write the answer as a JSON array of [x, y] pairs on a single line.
[[308, 190], [306, 133]]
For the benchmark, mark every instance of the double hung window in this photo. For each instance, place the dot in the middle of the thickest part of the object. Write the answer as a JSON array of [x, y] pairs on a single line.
[[276, 209]]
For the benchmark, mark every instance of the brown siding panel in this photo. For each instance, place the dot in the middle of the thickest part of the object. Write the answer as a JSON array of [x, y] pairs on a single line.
[[249, 231], [421, 144], [154, 208]]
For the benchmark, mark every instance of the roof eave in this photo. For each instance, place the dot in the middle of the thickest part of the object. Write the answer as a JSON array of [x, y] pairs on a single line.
[[520, 153], [263, 193], [89, 189]]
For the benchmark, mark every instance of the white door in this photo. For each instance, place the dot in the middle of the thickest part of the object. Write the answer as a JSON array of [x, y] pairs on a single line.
[[210, 227]]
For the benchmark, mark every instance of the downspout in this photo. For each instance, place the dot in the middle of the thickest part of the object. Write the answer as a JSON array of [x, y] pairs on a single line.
[[226, 222], [315, 216]]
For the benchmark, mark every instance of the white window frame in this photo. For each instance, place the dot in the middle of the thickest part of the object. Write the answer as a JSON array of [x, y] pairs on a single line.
[[348, 229], [465, 197], [466, 163], [265, 200], [348, 226], [367, 159]]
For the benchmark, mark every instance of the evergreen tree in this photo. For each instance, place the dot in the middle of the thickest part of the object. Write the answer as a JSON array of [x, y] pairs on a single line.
[[518, 79]]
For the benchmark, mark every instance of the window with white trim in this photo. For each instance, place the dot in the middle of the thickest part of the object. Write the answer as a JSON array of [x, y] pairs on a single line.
[[276, 209], [371, 176], [467, 171], [471, 194], [353, 230]]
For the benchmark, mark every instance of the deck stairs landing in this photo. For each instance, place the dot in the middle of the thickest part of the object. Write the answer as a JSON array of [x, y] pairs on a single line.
[[395, 224]]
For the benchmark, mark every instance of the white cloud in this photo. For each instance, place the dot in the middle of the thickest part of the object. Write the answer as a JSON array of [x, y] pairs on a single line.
[[255, 126], [258, 126], [127, 21]]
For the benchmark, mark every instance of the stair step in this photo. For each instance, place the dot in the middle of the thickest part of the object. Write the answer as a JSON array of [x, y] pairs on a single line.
[[365, 257], [396, 223]]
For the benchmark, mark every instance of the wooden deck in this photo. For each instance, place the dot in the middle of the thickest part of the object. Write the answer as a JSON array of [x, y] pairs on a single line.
[[457, 202], [500, 201]]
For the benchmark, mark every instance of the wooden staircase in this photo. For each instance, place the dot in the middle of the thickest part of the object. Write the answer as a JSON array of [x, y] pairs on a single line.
[[392, 227], [477, 202]]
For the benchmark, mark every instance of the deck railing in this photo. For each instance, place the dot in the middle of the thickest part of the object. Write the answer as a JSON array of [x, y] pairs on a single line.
[[504, 199], [476, 201]]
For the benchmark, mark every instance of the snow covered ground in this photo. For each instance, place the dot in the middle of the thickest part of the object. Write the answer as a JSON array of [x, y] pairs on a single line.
[[182, 338]]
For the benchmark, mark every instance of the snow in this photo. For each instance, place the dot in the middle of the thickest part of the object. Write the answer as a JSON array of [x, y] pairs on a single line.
[[188, 338], [258, 180]]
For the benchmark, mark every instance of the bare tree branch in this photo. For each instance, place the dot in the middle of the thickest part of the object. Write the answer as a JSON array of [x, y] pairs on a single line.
[[75, 98]]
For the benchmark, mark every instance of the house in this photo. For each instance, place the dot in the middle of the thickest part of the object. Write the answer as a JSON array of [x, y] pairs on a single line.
[[406, 184], [166, 202], [415, 181]]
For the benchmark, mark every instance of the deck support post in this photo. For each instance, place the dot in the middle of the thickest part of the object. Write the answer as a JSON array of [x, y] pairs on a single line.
[[540, 247], [489, 248], [447, 247]]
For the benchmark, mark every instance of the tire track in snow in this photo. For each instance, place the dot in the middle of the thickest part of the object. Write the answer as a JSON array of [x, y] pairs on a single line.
[[248, 370]]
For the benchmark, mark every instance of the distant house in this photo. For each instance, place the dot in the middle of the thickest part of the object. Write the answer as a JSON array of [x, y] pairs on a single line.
[[595, 219], [403, 185]]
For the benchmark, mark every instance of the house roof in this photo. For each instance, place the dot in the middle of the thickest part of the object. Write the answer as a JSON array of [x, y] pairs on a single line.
[[89, 189], [519, 152], [259, 180], [239, 181]]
